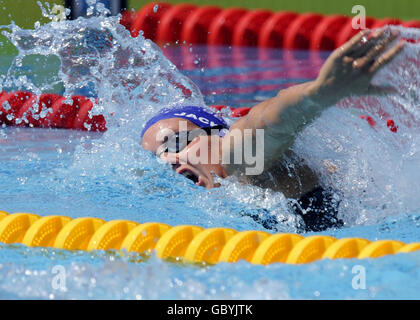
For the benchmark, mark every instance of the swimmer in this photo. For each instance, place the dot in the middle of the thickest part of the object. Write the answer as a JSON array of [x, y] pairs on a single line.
[[177, 133]]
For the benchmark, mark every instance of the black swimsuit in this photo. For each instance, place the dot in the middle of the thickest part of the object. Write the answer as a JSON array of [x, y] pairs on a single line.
[[318, 209]]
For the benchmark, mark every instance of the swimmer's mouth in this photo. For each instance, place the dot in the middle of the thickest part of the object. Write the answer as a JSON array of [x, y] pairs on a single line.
[[189, 174]]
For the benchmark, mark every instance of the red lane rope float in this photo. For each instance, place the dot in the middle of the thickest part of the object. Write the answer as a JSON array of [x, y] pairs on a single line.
[[170, 26], [127, 18], [273, 31], [386, 21], [347, 31], [222, 28], [20, 109], [412, 24], [196, 28], [324, 36], [11, 103], [163, 23], [147, 20], [236, 112], [247, 31], [299, 33]]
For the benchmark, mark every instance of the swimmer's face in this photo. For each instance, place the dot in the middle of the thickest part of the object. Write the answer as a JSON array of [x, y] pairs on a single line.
[[187, 161]]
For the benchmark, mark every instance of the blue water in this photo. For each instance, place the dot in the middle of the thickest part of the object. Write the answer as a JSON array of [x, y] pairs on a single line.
[[109, 176]]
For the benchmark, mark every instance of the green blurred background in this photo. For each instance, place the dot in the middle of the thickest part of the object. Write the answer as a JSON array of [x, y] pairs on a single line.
[[26, 12]]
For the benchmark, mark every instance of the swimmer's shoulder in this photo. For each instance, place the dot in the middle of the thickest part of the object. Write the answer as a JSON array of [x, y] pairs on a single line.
[[293, 179]]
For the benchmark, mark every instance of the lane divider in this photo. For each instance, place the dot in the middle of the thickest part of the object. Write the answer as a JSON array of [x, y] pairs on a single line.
[[248, 28], [170, 26], [273, 31], [20, 108], [195, 30], [170, 23], [147, 20], [192, 244], [223, 26]]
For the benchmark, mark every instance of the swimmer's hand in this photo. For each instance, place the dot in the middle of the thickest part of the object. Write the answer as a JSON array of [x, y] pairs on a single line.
[[349, 69]]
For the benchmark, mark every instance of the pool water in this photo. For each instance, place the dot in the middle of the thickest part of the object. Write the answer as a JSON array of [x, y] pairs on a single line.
[[109, 176]]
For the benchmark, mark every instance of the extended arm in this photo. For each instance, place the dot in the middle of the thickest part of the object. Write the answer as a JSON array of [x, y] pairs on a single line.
[[348, 71]]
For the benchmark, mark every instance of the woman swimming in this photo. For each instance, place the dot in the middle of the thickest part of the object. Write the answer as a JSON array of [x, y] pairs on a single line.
[[199, 144]]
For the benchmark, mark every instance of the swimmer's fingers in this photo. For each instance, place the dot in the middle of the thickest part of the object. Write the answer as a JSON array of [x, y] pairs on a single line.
[[369, 59], [354, 43], [367, 43], [386, 57]]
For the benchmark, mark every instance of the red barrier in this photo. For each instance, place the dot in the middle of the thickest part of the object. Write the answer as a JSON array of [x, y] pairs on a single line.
[[246, 33], [325, 34], [170, 26], [148, 18], [222, 28], [299, 33], [347, 31], [196, 28], [273, 30]]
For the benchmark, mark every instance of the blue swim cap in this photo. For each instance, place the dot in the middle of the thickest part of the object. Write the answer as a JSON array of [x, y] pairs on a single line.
[[204, 118]]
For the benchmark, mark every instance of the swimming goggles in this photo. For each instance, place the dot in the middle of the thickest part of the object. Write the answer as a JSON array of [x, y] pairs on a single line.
[[180, 140]]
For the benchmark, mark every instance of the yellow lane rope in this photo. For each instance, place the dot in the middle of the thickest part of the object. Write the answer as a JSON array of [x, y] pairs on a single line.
[[191, 243]]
